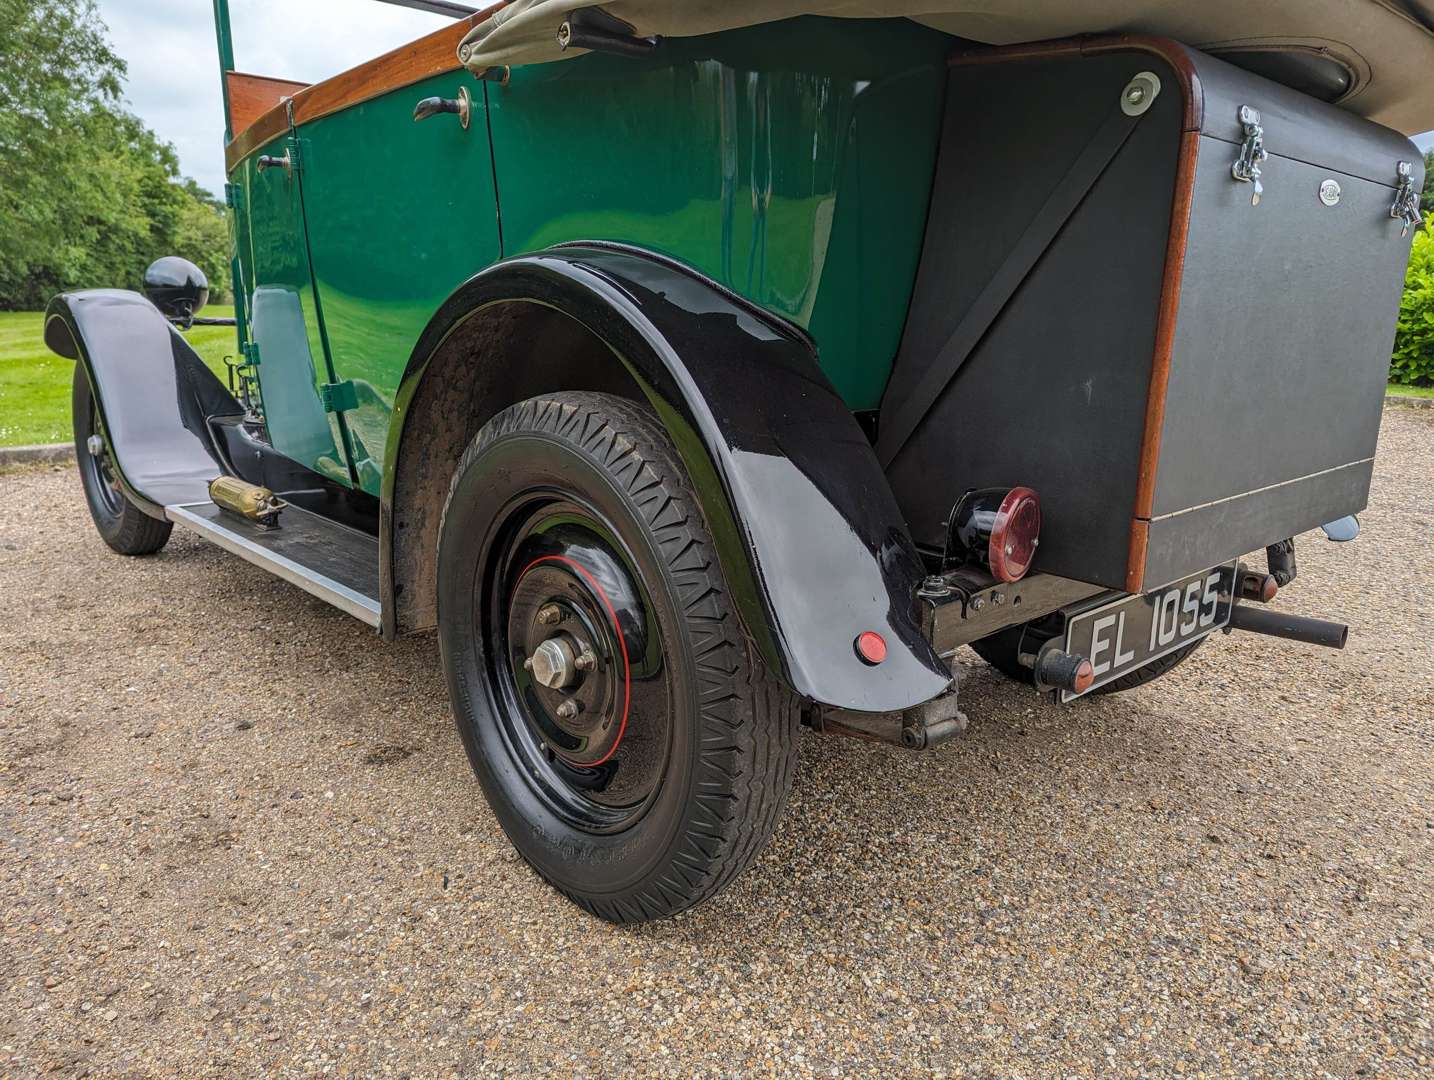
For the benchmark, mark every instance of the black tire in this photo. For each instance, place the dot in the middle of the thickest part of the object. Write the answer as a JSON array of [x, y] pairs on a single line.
[[561, 502], [121, 524], [999, 650]]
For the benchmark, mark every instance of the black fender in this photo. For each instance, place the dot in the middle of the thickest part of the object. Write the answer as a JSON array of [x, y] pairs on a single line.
[[808, 532], [154, 394]]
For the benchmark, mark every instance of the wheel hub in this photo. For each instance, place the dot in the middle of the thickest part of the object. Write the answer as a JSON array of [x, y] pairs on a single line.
[[589, 686], [554, 664]]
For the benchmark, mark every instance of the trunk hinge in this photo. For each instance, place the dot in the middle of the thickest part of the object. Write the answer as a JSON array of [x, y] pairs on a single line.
[[338, 396], [234, 197], [251, 353]]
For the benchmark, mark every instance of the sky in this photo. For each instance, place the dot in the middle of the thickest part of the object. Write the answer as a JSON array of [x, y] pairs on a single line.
[[173, 81]]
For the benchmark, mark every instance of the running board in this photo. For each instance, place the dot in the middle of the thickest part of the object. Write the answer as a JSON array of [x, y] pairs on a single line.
[[331, 561]]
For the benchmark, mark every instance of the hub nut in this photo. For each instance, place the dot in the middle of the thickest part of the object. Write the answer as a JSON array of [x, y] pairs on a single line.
[[553, 663], [569, 709], [550, 614], [586, 661]]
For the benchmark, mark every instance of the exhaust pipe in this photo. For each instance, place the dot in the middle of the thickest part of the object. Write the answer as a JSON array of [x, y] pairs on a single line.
[[1278, 624]]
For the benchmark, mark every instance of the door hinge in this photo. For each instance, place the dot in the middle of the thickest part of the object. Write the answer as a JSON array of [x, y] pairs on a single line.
[[234, 197], [251, 353], [338, 396]]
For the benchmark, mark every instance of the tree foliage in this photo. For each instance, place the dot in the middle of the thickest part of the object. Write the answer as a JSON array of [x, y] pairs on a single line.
[[1426, 203], [88, 195], [1413, 363]]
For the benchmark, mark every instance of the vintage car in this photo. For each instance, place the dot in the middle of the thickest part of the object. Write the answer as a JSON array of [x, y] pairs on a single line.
[[699, 371]]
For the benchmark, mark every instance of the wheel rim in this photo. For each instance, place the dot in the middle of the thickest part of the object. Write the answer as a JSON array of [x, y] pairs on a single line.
[[584, 697], [103, 480]]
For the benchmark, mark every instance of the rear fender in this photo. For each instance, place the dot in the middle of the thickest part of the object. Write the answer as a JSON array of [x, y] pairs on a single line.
[[809, 536], [154, 395]]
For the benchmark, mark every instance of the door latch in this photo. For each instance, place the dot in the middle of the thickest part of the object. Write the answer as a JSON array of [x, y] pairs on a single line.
[[1406, 199], [1252, 153], [268, 161]]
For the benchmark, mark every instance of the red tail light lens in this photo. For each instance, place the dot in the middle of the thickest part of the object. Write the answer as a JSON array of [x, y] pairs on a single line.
[[1015, 534]]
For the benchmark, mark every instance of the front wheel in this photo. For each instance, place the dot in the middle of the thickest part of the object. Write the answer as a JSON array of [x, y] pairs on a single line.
[[631, 745], [121, 524]]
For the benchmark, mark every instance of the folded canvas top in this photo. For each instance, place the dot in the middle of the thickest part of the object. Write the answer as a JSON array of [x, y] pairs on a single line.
[[1383, 49]]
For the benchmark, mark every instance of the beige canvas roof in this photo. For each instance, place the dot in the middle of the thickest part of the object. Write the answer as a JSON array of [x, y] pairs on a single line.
[[1387, 45]]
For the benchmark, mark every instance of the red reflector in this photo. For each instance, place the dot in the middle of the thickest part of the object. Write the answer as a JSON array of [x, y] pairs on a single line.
[[1015, 534], [871, 647], [1084, 676]]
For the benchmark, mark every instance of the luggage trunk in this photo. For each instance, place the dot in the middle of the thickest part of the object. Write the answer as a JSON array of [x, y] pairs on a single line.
[[1104, 314]]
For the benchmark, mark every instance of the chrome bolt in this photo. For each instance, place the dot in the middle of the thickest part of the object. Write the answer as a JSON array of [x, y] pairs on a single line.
[[528, 664], [586, 661], [95, 445], [1135, 95], [569, 709], [998, 598], [550, 614], [978, 603]]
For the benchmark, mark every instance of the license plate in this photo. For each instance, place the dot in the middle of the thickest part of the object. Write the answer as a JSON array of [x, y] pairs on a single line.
[[1129, 633]]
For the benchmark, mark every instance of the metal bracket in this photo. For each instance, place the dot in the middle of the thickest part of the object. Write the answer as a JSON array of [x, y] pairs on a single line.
[[1406, 199], [339, 396], [1252, 153], [234, 197]]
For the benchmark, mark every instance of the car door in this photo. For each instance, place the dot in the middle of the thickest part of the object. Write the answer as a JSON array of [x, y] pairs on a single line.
[[399, 214], [285, 324]]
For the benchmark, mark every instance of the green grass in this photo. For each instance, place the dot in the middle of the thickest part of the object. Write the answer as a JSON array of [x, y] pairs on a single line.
[[1411, 391], [35, 383]]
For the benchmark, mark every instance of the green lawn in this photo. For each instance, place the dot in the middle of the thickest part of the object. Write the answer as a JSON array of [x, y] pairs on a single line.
[[1412, 391], [35, 383]]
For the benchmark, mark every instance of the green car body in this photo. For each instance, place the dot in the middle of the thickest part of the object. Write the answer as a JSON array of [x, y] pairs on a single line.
[[804, 191]]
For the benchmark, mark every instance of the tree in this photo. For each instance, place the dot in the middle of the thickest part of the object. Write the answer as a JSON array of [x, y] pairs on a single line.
[[88, 195]]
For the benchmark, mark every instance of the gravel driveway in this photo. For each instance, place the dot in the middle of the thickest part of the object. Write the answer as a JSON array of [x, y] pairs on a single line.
[[240, 837]]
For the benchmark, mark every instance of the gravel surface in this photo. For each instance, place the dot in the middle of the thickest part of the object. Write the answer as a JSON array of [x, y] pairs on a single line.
[[240, 837]]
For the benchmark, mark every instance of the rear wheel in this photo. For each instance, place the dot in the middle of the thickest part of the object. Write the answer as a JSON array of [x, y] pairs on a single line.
[[630, 744], [121, 524], [1000, 651]]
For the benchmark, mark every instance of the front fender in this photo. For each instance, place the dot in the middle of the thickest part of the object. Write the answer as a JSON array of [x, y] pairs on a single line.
[[808, 533], [154, 394]]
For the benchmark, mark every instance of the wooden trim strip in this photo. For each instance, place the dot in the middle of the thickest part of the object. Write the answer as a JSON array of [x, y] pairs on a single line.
[[1164, 350], [262, 131], [250, 96], [432, 54]]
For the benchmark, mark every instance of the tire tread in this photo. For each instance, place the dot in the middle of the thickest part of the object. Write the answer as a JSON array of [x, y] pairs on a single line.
[[747, 742]]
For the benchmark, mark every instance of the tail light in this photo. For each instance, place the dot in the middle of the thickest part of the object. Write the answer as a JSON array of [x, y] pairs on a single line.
[[998, 528]]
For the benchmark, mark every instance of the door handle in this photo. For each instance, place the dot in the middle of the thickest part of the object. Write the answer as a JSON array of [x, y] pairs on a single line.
[[268, 161], [462, 105]]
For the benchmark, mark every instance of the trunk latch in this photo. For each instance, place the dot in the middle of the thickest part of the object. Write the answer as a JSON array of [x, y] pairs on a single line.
[[1252, 152], [1406, 199]]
